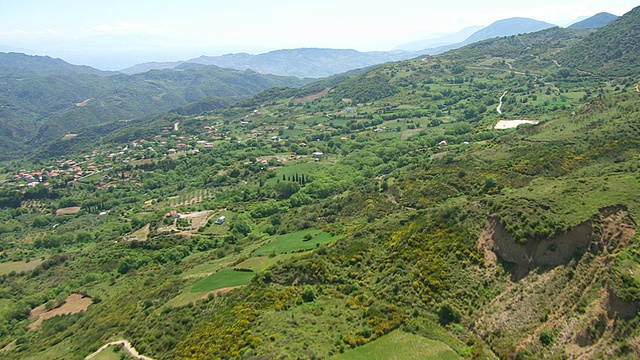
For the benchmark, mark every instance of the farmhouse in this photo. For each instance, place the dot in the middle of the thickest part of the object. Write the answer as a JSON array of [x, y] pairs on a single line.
[[172, 214]]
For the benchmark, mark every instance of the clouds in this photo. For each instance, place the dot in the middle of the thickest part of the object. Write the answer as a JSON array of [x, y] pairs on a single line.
[[127, 28]]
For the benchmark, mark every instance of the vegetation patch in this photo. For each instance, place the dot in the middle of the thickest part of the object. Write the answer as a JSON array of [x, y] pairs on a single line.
[[298, 241], [224, 278], [19, 266], [400, 345]]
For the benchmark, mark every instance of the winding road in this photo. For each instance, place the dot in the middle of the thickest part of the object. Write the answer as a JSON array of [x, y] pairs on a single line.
[[499, 108], [126, 345]]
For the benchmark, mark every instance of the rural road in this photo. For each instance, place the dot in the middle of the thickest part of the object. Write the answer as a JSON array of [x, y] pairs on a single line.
[[499, 108], [126, 345]]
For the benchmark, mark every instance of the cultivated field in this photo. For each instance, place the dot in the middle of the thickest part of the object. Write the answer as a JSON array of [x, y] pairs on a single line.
[[296, 242], [72, 305], [400, 345]]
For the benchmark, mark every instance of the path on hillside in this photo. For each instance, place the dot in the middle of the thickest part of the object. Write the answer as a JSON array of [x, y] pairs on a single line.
[[499, 108], [126, 345], [503, 70]]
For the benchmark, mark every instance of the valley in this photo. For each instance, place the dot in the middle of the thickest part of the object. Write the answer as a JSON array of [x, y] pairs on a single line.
[[476, 204]]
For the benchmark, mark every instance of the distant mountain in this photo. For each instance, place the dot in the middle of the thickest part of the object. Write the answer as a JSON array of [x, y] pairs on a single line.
[[612, 50], [302, 63], [42, 65], [440, 41], [595, 22], [500, 28], [36, 108], [507, 27], [318, 63], [148, 66]]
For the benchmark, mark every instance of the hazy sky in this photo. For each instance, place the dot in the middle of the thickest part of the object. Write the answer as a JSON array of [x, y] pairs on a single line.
[[86, 31]]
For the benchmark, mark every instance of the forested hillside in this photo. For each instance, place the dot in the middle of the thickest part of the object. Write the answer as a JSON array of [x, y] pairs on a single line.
[[37, 107], [479, 204], [619, 48]]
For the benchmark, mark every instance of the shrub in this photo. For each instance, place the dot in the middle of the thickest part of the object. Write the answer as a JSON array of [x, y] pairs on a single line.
[[546, 337]]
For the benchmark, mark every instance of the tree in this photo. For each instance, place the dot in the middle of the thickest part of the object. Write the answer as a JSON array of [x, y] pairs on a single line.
[[241, 224], [308, 294], [287, 188]]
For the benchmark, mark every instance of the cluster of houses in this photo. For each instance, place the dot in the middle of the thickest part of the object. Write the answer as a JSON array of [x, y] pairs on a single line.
[[163, 144]]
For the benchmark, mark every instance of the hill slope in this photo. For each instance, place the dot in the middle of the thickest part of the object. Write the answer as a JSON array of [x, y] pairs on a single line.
[[42, 65], [611, 50], [36, 109], [595, 22]]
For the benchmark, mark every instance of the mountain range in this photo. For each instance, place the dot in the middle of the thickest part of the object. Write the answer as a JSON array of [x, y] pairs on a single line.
[[42, 99], [317, 63], [45, 98]]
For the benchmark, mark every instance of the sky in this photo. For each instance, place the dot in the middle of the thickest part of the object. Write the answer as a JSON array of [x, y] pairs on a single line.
[[115, 34]]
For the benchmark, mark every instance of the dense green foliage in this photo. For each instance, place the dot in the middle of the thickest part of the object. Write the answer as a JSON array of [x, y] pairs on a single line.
[[618, 55], [38, 107]]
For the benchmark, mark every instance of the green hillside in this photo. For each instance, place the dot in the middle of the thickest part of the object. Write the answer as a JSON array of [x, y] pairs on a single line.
[[595, 22], [36, 109], [618, 55], [480, 204], [18, 63]]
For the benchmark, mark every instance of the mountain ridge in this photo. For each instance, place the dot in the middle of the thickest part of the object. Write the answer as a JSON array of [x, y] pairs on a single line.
[[595, 22]]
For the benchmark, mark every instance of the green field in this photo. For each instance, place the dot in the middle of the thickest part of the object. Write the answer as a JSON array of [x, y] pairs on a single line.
[[399, 345], [303, 166], [260, 263], [222, 279], [112, 353], [18, 266], [295, 242]]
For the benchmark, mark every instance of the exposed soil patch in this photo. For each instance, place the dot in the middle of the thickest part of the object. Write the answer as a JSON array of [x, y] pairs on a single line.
[[511, 124], [311, 97], [497, 244], [84, 103], [199, 219], [561, 284], [69, 210], [72, 305]]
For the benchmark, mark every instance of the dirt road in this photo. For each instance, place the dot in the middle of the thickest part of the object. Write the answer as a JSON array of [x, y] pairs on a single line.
[[499, 108], [125, 344]]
